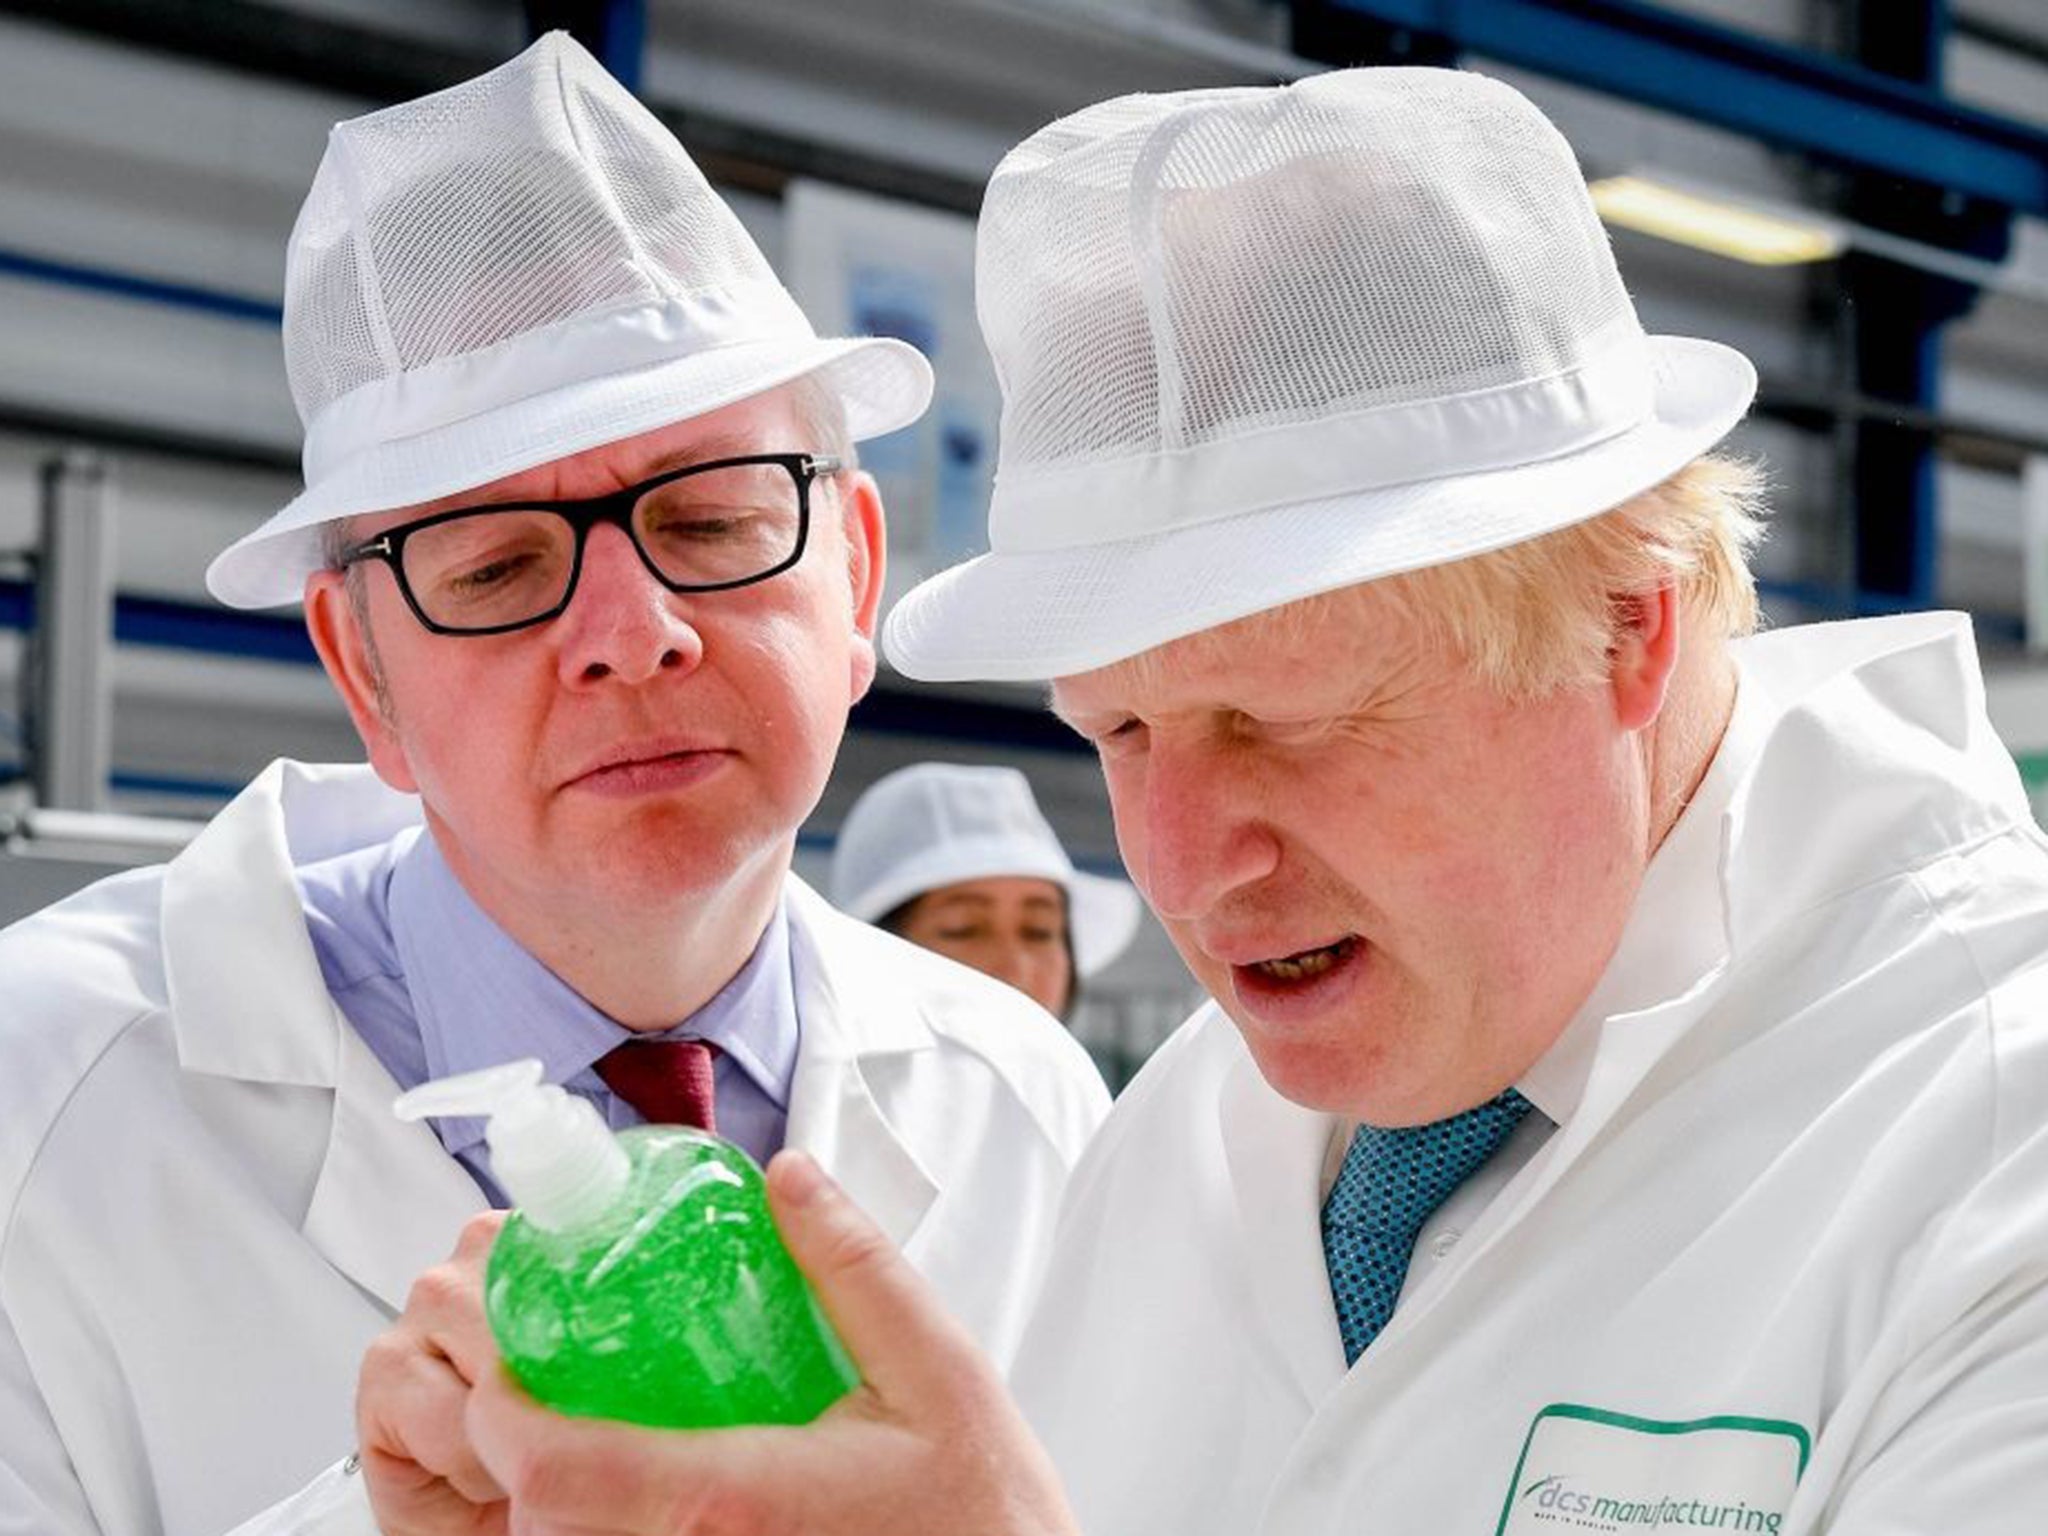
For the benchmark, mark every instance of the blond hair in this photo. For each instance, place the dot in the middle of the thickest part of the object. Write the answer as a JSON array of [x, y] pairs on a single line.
[[1539, 616]]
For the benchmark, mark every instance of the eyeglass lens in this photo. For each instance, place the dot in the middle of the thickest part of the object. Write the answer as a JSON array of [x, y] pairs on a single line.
[[713, 528]]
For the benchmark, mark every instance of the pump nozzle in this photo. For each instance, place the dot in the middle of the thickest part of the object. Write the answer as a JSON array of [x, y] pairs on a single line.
[[551, 1150], [483, 1092]]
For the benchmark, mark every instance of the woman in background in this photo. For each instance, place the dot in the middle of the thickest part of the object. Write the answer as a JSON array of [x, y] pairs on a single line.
[[960, 860]]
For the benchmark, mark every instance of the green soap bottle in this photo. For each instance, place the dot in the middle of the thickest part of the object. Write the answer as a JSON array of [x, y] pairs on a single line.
[[641, 1277]]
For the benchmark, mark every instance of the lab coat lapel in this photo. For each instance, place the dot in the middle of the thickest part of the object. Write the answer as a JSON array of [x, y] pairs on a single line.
[[390, 1202], [1630, 1046], [1275, 1152], [1628, 1049], [853, 1024], [247, 998], [249, 1004]]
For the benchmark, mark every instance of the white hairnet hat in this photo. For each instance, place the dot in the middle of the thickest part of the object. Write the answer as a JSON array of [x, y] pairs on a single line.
[[511, 271], [1261, 343], [937, 824]]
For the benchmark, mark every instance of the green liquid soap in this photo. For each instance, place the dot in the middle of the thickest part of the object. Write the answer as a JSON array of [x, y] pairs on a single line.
[[641, 1277], [676, 1305]]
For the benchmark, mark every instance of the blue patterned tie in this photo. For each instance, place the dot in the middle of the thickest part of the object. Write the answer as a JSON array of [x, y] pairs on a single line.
[[1390, 1184]]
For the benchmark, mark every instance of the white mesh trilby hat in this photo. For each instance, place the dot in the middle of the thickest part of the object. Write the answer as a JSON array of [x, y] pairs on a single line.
[[511, 271], [1260, 343], [937, 824]]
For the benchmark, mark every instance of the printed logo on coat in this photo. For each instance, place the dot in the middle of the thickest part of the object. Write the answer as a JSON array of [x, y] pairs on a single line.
[[1591, 1470]]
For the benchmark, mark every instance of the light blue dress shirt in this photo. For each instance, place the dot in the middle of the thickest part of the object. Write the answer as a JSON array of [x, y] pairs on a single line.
[[435, 987]]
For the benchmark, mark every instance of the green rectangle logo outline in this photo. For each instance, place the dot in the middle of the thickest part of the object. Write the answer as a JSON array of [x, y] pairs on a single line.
[[1629, 1421]]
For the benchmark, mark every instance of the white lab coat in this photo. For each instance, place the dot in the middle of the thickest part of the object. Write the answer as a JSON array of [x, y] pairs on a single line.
[[1805, 1197], [207, 1208]]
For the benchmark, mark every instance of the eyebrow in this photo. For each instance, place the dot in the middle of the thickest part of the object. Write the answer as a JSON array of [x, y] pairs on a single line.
[[731, 445], [978, 899]]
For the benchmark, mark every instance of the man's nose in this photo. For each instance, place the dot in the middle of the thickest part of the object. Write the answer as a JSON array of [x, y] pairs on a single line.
[[622, 623], [1204, 835]]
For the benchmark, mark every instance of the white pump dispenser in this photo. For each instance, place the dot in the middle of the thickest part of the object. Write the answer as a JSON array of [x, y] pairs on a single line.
[[551, 1150]]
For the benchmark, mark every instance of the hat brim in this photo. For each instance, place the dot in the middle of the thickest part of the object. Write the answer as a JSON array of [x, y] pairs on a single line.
[[1103, 920], [1055, 613], [1102, 914], [882, 384]]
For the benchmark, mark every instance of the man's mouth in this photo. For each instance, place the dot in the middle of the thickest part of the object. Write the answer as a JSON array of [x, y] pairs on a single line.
[[650, 768], [1306, 963]]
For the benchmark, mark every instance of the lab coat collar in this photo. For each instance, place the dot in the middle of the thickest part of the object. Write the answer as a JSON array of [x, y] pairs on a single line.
[[248, 1002], [389, 1202], [1274, 1149], [1880, 758], [1831, 722], [235, 940], [1834, 726], [855, 1021], [1677, 929]]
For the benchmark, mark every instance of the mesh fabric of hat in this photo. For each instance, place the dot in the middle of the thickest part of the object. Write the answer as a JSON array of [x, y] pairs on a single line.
[[511, 271], [1259, 343]]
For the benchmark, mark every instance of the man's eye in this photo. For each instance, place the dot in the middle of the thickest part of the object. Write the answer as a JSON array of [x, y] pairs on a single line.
[[1288, 732], [492, 573], [706, 524], [1125, 733]]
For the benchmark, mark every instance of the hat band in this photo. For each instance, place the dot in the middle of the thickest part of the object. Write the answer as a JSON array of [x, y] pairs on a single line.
[[533, 363], [1062, 507]]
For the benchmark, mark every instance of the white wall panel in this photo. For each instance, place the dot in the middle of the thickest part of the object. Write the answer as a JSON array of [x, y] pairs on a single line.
[[496, 25], [1784, 21], [1998, 80], [132, 360], [149, 165]]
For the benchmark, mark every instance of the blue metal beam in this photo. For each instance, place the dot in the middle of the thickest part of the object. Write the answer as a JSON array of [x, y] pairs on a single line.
[[1786, 96], [182, 626], [149, 290], [1895, 318], [614, 30]]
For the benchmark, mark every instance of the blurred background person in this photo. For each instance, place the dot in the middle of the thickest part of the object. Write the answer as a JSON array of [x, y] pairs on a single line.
[[960, 860]]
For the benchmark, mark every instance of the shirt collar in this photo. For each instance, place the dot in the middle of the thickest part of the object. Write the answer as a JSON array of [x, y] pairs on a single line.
[[480, 998], [1677, 931]]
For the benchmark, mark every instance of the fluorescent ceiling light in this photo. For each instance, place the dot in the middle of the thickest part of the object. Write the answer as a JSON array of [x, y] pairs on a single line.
[[1712, 224]]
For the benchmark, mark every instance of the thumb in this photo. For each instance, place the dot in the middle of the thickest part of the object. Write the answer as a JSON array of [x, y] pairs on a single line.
[[909, 1348]]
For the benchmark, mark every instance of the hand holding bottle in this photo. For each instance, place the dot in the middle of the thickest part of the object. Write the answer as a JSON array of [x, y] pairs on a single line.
[[929, 1442], [421, 1474]]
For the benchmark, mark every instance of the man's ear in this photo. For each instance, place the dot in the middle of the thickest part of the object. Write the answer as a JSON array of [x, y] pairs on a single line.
[[867, 562], [1644, 654], [337, 634]]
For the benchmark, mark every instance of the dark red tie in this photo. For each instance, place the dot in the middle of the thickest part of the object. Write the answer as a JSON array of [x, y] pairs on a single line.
[[668, 1081]]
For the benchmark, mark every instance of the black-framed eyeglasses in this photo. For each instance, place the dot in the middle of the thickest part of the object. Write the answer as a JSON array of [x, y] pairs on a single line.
[[487, 569]]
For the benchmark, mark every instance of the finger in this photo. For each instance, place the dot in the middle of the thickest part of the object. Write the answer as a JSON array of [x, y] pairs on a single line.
[[564, 1474], [406, 1497], [478, 1234], [409, 1409], [908, 1347], [444, 1311]]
